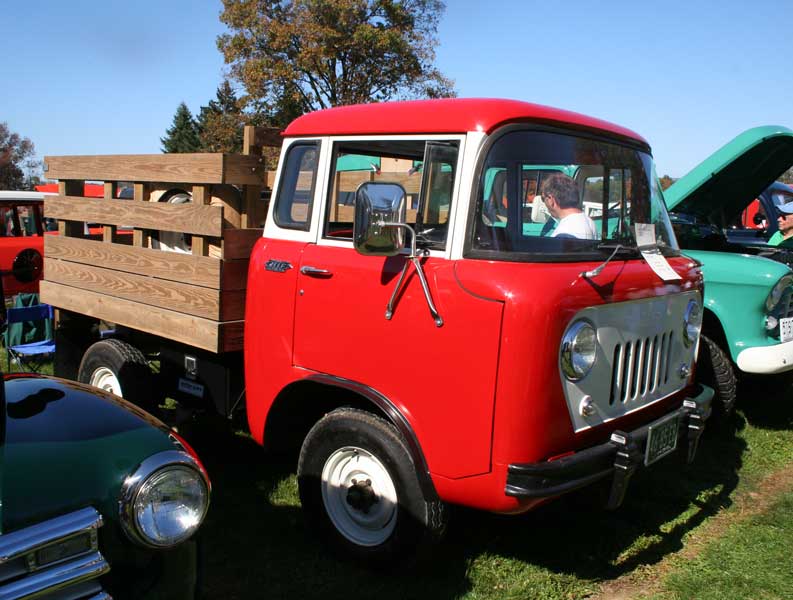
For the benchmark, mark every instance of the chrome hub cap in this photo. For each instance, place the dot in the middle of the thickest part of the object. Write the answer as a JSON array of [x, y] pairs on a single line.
[[106, 380]]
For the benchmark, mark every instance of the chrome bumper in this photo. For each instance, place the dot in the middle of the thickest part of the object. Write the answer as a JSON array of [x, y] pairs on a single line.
[[766, 360], [57, 557], [618, 458]]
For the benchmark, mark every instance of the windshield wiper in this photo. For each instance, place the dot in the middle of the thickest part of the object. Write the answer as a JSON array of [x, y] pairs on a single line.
[[606, 246]]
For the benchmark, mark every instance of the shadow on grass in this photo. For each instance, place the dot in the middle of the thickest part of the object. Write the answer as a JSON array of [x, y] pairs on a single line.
[[258, 547], [767, 402]]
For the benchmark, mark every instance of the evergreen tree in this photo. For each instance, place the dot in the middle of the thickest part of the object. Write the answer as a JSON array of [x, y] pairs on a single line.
[[182, 135], [220, 123]]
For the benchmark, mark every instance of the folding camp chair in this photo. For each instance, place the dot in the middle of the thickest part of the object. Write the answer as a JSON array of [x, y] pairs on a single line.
[[32, 355]]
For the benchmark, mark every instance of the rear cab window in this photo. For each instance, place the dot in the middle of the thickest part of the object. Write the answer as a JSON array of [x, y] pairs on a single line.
[[293, 205]]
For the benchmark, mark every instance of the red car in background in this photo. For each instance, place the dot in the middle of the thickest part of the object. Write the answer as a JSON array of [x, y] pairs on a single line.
[[21, 241]]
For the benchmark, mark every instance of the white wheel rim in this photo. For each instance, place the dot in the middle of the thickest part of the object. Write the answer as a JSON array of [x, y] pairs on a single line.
[[359, 496], [106, 380], [174, 241]]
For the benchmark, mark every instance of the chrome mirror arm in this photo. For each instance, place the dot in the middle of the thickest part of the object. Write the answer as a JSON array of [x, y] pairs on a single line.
[[414, 259]]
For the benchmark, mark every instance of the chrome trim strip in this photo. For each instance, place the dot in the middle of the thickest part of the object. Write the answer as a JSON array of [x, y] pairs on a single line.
[[133, 483], [24, 541], [56, 578]]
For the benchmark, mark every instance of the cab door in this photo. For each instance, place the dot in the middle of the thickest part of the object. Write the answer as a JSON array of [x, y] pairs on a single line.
[[442, 379]]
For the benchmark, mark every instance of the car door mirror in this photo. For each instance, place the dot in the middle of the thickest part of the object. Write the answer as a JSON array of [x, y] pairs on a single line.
[[379, 207]]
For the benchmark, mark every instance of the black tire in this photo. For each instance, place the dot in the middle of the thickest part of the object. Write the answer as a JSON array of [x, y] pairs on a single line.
[[415, 522], [715, 369], [129, 367]]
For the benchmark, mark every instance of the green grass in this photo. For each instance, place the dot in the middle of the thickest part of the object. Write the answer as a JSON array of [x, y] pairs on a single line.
[[258, 544], [751, 560]]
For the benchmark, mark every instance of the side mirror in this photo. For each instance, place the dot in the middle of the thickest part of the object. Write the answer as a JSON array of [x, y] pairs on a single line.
[[758, 219], [378, 207]]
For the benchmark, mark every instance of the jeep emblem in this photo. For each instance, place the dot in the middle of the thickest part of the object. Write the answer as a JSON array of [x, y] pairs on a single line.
[[279, 266]]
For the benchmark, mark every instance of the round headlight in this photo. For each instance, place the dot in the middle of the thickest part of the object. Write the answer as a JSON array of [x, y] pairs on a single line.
[[776, 292], [579, 348], [165, 501], [692, 323]]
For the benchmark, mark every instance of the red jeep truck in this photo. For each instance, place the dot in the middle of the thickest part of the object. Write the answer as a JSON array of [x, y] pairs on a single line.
[[416, 326]]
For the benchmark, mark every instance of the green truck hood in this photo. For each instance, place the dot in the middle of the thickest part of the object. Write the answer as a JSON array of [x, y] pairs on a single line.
[[738, 269], [722, 185], [68, 446]]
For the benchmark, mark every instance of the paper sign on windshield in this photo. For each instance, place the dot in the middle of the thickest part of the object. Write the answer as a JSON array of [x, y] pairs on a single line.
[[646, 242]]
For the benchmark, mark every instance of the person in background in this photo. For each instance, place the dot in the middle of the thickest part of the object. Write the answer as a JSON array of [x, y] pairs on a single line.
[[783, 237], [560, 194]]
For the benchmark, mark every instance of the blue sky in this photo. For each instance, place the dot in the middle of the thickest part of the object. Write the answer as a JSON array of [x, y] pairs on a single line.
[[105, 77]]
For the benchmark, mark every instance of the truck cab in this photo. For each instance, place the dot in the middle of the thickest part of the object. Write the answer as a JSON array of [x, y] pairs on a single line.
[[419, 324]]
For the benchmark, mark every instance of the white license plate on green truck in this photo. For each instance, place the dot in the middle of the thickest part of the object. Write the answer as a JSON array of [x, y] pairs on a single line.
[[661, 439]]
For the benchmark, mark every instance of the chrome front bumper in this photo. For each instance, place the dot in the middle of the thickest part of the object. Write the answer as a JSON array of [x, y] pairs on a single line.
[[618, 458], [58, 558], [766, 360]]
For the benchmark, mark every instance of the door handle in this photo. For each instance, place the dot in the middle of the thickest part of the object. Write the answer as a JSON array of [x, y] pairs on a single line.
[[314, 271]]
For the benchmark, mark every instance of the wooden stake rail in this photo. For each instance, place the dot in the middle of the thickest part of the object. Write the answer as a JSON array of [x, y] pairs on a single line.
[[109, 260], [183, 168]]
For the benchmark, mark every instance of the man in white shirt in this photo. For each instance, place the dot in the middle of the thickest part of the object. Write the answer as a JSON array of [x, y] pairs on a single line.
[[560, 194]]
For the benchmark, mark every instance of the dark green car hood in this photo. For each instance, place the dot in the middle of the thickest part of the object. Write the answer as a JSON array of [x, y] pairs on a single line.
[[722, 185], [68, 446]]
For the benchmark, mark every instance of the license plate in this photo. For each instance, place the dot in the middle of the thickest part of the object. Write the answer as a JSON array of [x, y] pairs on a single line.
[[190, 387], [786, 329], [661, 439]]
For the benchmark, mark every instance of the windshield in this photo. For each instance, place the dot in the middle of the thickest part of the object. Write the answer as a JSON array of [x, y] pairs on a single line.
[[544, 194]]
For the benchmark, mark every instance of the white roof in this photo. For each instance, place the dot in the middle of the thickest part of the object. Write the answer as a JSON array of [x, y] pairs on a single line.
[[13, 195]]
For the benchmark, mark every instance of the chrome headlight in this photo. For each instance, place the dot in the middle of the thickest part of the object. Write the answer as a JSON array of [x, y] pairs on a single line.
[[165, 500], [692, 323], [776, 292], [579, 348]]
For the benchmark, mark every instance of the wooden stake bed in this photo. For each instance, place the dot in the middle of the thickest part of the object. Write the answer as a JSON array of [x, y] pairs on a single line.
[[106, 261]]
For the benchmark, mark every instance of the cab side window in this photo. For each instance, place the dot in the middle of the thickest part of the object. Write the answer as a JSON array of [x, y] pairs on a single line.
[[425, 169], [296, 189]]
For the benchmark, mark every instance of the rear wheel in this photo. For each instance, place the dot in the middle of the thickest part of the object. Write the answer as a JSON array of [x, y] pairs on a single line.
[[715, 370], [360, 490], [121, 369]]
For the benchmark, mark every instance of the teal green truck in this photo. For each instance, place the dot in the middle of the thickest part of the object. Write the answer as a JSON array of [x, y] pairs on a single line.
[[748, 304]]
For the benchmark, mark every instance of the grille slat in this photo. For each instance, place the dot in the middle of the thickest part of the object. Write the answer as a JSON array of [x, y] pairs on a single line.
[[640, 367]]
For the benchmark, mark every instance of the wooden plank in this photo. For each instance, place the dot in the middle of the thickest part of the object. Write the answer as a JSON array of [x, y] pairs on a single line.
[[192, 270], [188, 218], [232, 336], [140, 194], [182, 168], [149, 291], [199, 244], [179, 327], [238, 243], [265, 136], [254, 212], [71, 228], [109, 231]]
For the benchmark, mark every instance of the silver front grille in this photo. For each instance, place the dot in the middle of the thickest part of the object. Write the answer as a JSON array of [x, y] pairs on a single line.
[[641, 366], [640, 358], [57, 558]]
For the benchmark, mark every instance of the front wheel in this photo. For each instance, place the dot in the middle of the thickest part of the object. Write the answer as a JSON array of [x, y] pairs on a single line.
[[119, 368], [360, 490]]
